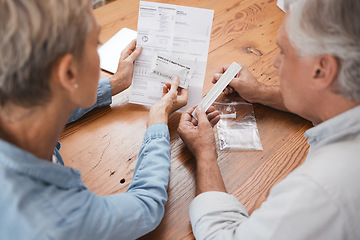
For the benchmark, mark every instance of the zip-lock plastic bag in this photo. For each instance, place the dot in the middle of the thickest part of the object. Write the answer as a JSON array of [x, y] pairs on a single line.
[[237, 128]]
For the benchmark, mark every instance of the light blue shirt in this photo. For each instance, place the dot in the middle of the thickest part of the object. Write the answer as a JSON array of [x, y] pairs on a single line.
[[43, 200], [319, 200], [104, 94]]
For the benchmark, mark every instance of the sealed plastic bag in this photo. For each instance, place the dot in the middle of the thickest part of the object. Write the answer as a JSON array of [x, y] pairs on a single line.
[[237, 128]]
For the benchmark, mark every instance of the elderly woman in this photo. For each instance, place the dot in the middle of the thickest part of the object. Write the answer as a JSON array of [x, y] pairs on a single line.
[[49, 70]]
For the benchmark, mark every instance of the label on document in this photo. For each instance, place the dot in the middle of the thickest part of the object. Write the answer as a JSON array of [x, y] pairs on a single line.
[[166, 69]]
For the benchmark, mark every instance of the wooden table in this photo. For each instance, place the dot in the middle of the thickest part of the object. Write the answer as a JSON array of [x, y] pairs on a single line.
[[105, 143]]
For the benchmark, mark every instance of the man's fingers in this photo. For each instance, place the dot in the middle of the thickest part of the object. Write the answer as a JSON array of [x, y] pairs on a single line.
[[212, 112], [219, 73], [194, 121], [215, 120], [223, 68], [186, 115], [190, 109], [216, 77], [212, 115], [227, 91], [210, 109], [201, 115]]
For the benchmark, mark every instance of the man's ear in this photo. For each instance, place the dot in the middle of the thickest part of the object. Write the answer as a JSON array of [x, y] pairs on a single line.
[[325, 71], [66, 72]]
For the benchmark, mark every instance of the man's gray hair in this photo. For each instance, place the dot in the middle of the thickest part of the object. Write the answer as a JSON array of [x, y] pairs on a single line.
[[317, 27], [34, 35]]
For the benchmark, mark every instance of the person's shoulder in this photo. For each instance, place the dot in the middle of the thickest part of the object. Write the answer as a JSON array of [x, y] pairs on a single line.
[[338, 159], [335, 169], [21, 205], [35, 206]]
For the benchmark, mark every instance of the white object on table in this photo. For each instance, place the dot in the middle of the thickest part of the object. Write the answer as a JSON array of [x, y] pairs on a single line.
[[110, 52], [221, 84]]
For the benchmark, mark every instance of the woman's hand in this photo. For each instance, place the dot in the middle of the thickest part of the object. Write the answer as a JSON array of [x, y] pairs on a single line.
[[173, 99], [121, 80]]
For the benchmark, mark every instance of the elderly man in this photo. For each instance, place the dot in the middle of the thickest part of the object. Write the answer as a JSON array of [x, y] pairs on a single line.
[[319, 69]]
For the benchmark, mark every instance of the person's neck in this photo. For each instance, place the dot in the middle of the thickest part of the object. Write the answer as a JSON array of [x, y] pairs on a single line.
[[328, 108], [35, 130]]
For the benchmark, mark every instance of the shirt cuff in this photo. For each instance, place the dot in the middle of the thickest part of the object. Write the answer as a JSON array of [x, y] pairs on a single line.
[[104, 93], [214, 202], [157, 130]]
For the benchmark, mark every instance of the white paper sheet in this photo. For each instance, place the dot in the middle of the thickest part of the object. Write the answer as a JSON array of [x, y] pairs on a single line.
[[179, 31], [110, 52]]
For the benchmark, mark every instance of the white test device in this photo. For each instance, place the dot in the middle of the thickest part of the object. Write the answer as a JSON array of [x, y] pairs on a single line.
[[216, 90]]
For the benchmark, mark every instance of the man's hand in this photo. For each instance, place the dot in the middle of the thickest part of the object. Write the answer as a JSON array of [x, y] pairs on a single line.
[[121, 80], [245, 84], [198, 135], [250, 89], [173, 99], [200, 140]]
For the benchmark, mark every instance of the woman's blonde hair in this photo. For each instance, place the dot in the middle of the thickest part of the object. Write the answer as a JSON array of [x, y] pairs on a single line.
[[34, 34]]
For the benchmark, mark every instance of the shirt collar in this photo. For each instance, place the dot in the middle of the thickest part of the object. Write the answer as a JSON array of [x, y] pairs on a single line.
[[25, 163], [343, 123]]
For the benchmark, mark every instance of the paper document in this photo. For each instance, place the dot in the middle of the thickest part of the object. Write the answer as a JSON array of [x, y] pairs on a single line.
[[109, 53], [179, 33], [221, 84]]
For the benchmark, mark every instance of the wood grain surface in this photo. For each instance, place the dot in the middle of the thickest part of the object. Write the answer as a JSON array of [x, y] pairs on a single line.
[[105, 143]]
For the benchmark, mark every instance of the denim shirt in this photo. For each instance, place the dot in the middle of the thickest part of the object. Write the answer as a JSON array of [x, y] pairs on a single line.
[[104, 93], [43, 200]]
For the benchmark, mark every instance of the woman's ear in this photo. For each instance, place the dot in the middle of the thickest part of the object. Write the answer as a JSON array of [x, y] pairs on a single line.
[[66, 72], [325, 71]]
